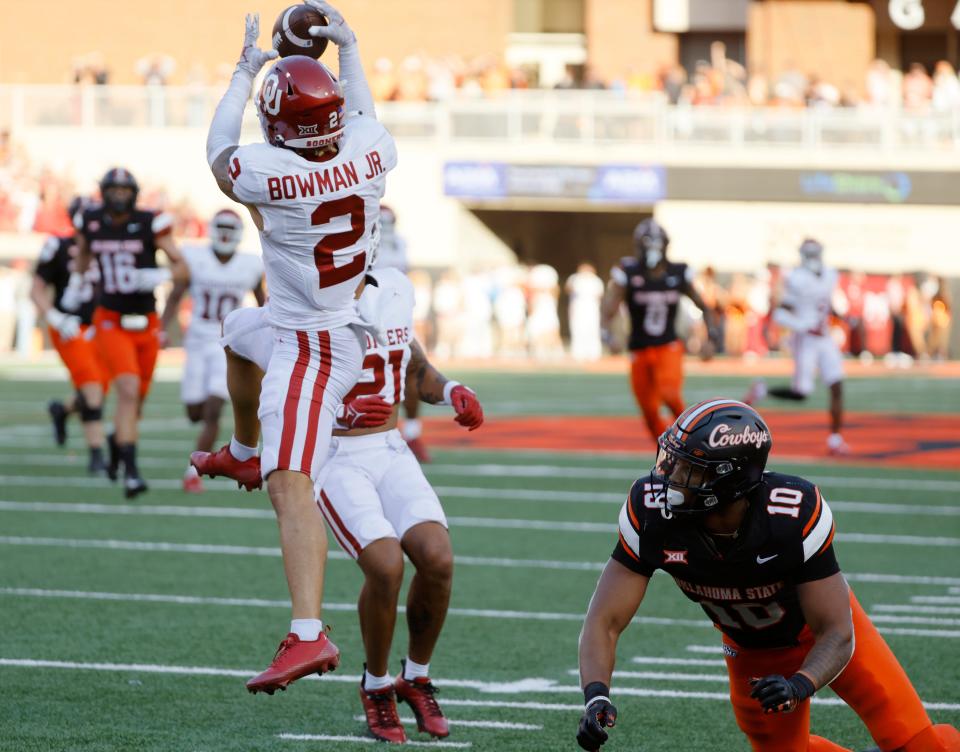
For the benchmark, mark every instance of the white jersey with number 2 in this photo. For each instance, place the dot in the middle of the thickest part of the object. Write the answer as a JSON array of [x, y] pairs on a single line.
[[317, 221]]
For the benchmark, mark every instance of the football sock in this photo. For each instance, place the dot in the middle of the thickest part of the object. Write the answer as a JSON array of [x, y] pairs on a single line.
[[128, 458], [307, 629], [412, 428], [191, 472], [372, 683], [413, 670], [96, 454], [242, 452]]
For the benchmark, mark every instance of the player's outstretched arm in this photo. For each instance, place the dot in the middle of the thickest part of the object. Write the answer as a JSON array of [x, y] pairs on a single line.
[[609, 309], [357, 97], [259, 294], [436, 389], [172, 305], [616, 599], [826, 607], [224, 134]]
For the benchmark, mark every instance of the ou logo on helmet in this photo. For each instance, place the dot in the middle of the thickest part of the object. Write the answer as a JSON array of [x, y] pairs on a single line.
[[271, 94]]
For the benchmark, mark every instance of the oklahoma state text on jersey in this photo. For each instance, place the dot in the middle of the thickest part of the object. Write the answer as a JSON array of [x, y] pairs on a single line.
[[121, 248], [749, 590], [652, 302]]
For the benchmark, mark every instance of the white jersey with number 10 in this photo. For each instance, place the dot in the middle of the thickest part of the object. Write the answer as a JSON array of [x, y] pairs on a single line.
[[317, 221], [216, 288]]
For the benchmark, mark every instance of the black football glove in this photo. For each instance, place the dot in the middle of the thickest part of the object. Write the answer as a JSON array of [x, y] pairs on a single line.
[[780, 695], [599, 715]]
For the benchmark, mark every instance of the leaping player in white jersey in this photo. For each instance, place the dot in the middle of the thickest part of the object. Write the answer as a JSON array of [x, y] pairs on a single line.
[[805, 311], [219, 279], [378, 503], [392, 254], [313, 189]]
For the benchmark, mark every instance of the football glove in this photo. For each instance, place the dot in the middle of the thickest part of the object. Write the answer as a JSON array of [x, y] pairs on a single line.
[[337, 30], [780, 695], [147, 280], [368, 411], [598, 715], [252, 58], [67, 326], [466, 406], [76, 293]]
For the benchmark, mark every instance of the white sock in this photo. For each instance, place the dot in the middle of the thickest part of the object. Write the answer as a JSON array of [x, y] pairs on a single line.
[[307, 629], [834, 440], [412, 428], [413, 670], [191, 472], [372, 683], [242, 451]]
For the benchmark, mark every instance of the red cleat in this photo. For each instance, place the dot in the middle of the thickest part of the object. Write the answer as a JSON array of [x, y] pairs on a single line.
[[221, 462], [193, 484], [419, 450], [419, 695], [380, 707], [295, 659]]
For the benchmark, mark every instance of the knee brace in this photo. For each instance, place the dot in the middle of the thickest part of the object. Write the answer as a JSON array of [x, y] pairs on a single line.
[[88, 414]]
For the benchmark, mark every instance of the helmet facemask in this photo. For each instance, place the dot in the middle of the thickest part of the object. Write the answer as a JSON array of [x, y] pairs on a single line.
[[691, 485], [226, 232]]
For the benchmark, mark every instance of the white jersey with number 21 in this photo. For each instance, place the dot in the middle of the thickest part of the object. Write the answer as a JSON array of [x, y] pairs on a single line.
[[317, 221]]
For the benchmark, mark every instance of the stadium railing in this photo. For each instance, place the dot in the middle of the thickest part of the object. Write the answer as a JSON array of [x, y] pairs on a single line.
[[519, 117]]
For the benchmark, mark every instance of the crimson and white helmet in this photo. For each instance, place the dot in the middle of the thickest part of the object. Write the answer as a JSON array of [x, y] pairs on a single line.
[[226, 231], [300, 104]]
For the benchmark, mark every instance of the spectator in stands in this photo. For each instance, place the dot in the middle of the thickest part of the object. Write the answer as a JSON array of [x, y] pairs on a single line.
[[917, 89], [585, 290], [510, 312], [938, 338], [946, 88], [447, 307], [543, 322], [880, 87]]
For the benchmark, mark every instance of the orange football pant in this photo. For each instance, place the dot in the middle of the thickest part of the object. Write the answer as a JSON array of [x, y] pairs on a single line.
[[656, 375], [873, 684], [79, 355], [126, 352]]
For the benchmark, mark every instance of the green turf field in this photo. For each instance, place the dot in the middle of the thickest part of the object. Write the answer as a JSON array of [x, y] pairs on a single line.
[[133, 627]]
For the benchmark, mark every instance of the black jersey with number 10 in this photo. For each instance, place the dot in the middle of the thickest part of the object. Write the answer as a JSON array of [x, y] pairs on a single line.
[[748, 587]]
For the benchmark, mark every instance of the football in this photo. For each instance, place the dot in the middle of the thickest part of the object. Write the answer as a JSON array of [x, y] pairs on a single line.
[[291, 32]]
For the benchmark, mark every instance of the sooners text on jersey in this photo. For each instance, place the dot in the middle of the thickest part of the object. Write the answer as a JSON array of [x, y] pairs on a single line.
[[385, 366], [317, 221], [216, 288], [749, 590]]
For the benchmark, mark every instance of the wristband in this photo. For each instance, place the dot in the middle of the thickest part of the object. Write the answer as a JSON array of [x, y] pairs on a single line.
[[595, 691], [447, 389], [803, 685]]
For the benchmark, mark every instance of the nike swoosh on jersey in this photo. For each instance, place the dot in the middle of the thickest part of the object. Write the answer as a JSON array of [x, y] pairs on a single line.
[[765, 559]]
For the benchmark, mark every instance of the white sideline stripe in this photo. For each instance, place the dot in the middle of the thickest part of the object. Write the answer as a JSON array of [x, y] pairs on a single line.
[[197, 600], [656, 660], [714, 649], [522, 686], [173, 510], [366, 740], [930, 620], [473, 724], [915, 609], [202, 548], [935, 598]]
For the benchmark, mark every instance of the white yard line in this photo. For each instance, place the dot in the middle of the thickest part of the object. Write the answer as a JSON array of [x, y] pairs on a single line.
[[172, 510], [473, 724], [201, 548], [367, 740], [936, 598], [661, 661], [522, 686], [915, 609], [932, 621], [664, 676]]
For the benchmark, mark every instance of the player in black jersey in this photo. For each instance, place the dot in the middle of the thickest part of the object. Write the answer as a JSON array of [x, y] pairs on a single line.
[[755, 550], [124, 241], [652, 286], [68, 313]]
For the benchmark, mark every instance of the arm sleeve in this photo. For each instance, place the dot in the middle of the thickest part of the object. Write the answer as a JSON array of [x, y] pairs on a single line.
[[357, 97], [819, 559], [225, 127], [629, 551], [162, 224]]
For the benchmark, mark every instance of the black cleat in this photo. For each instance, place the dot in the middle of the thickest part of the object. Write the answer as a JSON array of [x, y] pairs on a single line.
[[113, 462], [133, 486], [96, 465], [58, 414]]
